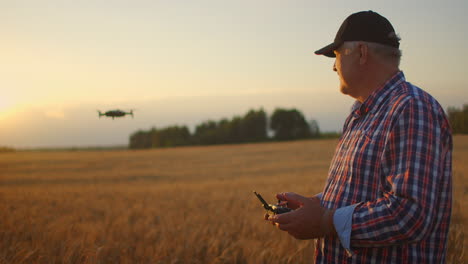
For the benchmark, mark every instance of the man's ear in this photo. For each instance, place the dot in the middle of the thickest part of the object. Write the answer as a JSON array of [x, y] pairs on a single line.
[[363, 53]]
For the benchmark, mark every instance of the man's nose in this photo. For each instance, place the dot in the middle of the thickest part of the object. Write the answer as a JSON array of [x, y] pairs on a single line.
[[334, 66]]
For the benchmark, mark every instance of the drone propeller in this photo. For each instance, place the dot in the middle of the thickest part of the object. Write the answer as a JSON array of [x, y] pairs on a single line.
[[131, 112]]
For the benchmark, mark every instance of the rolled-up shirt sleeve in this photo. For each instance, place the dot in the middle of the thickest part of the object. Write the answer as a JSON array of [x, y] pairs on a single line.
[[342, 220], [319, 195]]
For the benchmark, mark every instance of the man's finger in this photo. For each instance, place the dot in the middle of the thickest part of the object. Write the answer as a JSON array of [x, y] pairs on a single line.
[[282, 218], [282, 203], [294, 197], [282, 196], [297, 236], [285, 227]]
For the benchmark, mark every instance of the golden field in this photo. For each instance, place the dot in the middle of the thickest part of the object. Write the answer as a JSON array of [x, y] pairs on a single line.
[[179, 205]]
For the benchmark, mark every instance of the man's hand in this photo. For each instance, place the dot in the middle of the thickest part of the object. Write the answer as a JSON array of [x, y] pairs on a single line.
[[309, 219]]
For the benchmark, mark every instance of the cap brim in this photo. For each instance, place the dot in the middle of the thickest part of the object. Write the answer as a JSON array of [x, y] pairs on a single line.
[[328, 50]]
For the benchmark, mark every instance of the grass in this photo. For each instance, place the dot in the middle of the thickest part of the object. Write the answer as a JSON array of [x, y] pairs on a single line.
[[181, 205]]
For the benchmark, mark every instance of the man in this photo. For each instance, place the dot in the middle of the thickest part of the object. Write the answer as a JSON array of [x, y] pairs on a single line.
[[388, 195]]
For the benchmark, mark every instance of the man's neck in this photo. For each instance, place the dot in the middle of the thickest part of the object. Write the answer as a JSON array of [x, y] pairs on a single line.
[[373, 81]]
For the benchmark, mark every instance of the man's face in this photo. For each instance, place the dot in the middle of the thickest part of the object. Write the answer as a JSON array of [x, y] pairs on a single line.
[[346, 65]]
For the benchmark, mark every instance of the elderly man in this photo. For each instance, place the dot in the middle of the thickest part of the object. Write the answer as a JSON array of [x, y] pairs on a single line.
[[388, 195]]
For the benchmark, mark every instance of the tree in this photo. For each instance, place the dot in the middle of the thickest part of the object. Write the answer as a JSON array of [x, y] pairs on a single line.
[[140, 139], [171, 137], [207, 133], [458, 119], [250, 128], [289, 124], [254, 126], [314, 129]]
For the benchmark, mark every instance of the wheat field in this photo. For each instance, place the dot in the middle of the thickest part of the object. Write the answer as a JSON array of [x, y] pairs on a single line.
[[179, 205]]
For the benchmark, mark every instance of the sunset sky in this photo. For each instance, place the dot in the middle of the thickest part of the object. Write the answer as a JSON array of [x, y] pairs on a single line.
[[184, 62]]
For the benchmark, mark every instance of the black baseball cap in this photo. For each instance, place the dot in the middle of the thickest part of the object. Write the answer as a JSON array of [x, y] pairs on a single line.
[[366, 26]]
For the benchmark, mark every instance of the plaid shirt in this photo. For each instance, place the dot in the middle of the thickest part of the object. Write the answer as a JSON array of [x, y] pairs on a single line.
[[393, 166]]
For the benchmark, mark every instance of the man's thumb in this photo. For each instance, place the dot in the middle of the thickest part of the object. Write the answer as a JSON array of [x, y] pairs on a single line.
[[294, 197]]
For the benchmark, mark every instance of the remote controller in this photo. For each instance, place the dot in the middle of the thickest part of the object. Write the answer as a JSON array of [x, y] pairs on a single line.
[[271, 208]]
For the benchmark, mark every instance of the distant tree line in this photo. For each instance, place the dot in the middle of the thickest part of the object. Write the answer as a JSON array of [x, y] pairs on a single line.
[[458, 119], [285, 124], [6, 149]]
